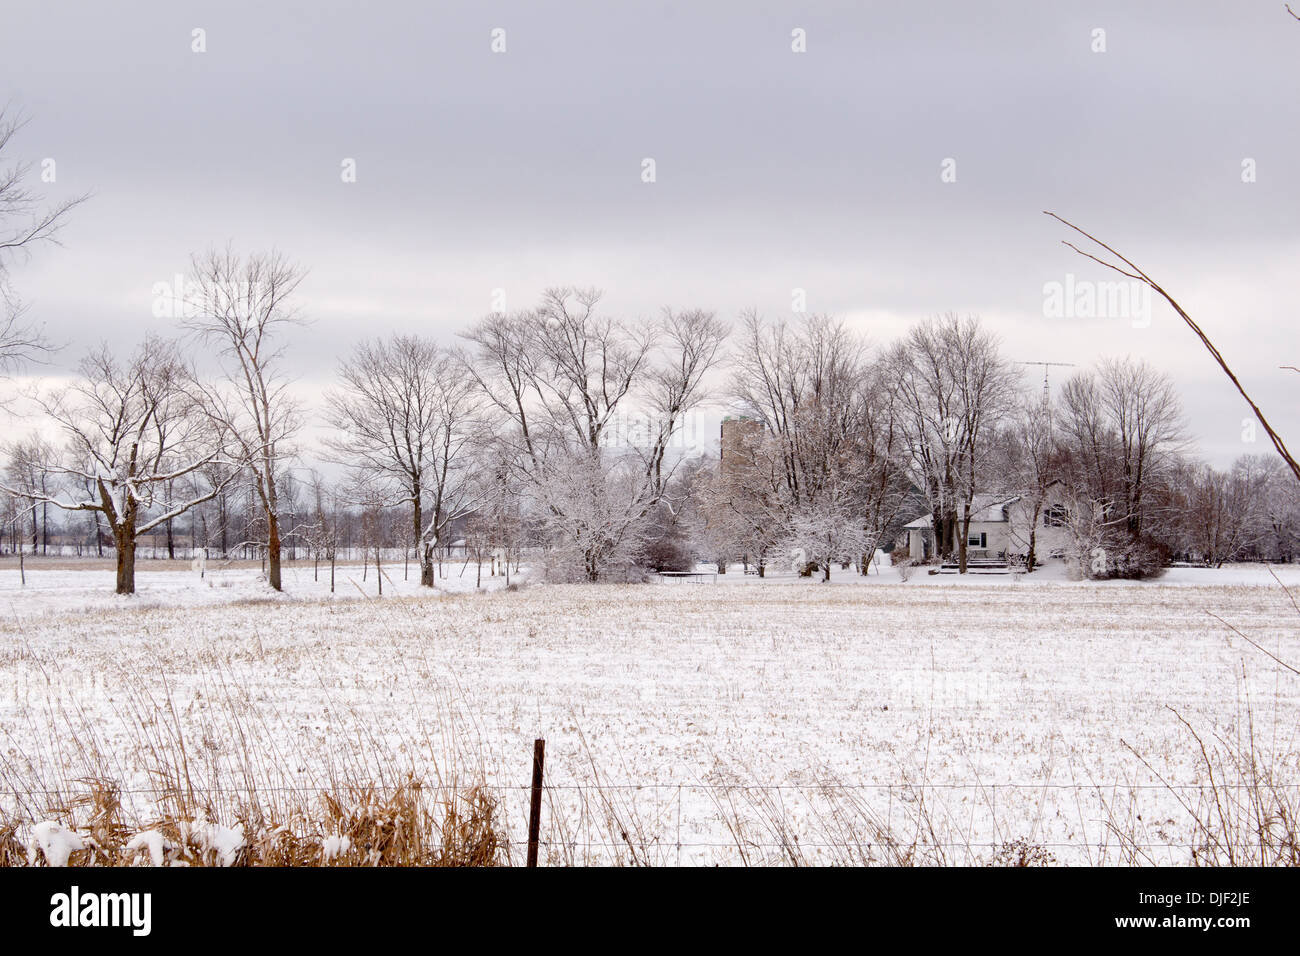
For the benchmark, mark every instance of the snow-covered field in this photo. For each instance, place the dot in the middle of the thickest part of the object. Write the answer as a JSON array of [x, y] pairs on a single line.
[[732, 718]]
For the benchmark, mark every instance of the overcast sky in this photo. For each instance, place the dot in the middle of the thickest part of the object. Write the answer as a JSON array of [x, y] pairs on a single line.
[[774, 170]]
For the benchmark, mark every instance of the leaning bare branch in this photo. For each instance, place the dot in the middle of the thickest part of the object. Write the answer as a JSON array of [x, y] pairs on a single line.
[[1140, 276]]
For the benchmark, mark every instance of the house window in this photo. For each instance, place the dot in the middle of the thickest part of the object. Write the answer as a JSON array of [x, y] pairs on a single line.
[[1055, 517], [977, 540]]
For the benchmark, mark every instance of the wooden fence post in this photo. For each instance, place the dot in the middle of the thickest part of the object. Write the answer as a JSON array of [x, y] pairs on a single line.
[[535, 808]]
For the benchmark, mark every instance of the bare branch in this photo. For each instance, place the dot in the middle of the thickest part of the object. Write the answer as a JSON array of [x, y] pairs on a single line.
[[1141, 276]]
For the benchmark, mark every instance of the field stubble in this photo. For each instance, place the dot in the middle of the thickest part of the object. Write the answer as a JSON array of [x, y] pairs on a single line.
[[739, 724]]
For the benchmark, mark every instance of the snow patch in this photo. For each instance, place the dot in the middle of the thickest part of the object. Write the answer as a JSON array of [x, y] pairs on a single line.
[[336, 846], [55, 841], [154, 842], [223, 842]]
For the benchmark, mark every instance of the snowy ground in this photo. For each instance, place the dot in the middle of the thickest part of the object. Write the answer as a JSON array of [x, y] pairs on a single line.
[[677, 712], [84, 585]]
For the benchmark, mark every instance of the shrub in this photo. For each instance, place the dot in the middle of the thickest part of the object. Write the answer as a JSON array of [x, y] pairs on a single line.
[[668, 551], [1122, 555]]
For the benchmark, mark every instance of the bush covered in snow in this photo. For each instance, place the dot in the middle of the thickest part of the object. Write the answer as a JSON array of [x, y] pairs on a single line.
[[1121, 555]]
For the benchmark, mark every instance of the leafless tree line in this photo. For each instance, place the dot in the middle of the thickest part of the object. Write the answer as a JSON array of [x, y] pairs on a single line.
[[847, 443], [517, 437]]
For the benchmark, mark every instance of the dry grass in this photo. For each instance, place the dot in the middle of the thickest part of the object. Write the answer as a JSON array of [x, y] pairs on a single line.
[[409, 826], [214, 796], [1244, 812], [1247, 812]]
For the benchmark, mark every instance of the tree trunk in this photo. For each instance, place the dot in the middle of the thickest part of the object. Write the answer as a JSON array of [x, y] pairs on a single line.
[[963, 542], [1031, 559], [124, 539], [273, 551], [942, 526], [423, 548], [221, 517]]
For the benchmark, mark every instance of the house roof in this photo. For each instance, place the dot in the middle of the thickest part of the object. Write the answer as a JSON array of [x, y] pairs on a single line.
[[984, 509]]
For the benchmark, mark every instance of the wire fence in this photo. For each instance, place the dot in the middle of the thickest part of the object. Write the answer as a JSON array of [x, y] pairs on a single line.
[[805, 818], [702, 816], [717, 787]]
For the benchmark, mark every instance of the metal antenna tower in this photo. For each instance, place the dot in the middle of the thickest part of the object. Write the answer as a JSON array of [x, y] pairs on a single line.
[[1047, 397]]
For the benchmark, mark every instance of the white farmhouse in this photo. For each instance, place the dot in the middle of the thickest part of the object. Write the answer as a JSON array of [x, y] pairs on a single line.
[[1000, 529]]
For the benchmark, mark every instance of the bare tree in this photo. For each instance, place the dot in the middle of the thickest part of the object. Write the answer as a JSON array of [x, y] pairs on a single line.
[[16, 511], [371, 493], [242, 304], [25, 222], [1119, 434], [828, 527], [886, 490], [132, 429], [480, 532], [689, 346], [677, 529], [1030, 467], [1223, 513], [1120, 427], [804, 382], [323, 531], [953, 388], [831, 433], [594, 512], [498, 511], [407, 410], [20, 340], [1281, 512], [225, 476], [562, 380], [26, 470]]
